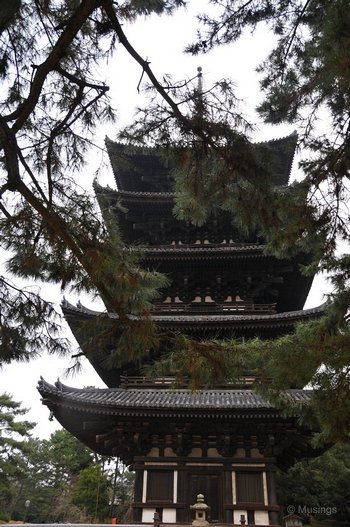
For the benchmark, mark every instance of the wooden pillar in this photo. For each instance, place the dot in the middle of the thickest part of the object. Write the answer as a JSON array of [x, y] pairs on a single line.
[[138, 489], [228, 495], [271, 490], [182, 514]]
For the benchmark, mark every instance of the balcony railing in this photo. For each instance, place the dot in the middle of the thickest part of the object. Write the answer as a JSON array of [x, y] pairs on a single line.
[[214, 307], [165, 382]]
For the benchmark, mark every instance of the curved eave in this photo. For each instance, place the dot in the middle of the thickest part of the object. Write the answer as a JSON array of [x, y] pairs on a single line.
[[243, 321], [121, 401], [69, 309], [115, 203], [136, 197], [106, 420], [284, 148], [290, 317], [203, 326], [204, 252]]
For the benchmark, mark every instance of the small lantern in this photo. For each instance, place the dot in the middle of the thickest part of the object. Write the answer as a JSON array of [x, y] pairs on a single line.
[[293, 520], [27, 505], [201, 510], [242, 519], [156, 519]]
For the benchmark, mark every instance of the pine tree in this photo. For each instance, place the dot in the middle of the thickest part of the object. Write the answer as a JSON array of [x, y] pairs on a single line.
[[91, 492], [13, 450], [51, 105]]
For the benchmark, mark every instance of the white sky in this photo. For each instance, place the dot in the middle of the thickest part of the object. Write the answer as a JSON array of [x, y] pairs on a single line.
[[161, 40]]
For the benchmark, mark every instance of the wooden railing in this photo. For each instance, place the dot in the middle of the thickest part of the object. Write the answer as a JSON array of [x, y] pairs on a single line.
[[214, 307], [145, 382], [184, 245], [165, 382]]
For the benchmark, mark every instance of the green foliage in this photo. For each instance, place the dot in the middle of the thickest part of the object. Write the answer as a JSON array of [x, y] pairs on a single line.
[[90, 493], [122, 493], [315, 355], [66, 456], [9, 10], [28, 324], [63, 480], [321, 483], [305, 78], [14, 435]]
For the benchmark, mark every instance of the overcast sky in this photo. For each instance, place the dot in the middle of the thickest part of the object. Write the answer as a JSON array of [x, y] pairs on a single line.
[[161, 40]]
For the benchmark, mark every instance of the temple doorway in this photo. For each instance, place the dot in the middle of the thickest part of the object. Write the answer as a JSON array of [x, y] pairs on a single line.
[[208, 485]]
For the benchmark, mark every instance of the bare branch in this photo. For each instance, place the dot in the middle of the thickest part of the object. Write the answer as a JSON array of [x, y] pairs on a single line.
[[9, 144], [31, 174], [291, 40], [228, 20], [5, 211], [81, 82]]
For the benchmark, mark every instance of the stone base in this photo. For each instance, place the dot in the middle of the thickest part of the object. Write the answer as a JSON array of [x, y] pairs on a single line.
[[200, 523]]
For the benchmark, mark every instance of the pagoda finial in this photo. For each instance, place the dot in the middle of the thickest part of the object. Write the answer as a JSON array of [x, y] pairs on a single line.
[[199, 95], [200, 80]]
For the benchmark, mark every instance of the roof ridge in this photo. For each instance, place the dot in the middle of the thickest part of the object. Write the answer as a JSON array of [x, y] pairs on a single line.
[[134, 193]]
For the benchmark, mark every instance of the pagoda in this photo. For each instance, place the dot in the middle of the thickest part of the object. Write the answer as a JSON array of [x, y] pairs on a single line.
[[225, 442]]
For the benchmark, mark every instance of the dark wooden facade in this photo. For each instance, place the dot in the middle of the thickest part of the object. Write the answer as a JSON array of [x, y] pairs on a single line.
[[226, 442]]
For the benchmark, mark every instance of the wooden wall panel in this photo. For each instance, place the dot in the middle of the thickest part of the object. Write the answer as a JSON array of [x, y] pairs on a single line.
[[160, 486], [249, 487]]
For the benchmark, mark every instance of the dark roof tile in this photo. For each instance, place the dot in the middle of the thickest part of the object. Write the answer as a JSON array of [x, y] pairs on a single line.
[[119, 398], [143, 168]]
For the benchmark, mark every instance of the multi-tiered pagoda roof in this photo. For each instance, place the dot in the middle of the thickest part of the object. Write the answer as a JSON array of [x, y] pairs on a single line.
[[223, 284], [224, 442]]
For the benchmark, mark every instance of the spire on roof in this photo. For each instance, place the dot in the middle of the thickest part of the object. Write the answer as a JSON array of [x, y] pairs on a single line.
[[200, 80], [199, 103]]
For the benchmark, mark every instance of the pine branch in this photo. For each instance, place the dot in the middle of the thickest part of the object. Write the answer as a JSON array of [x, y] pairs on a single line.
[[71, 29]]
